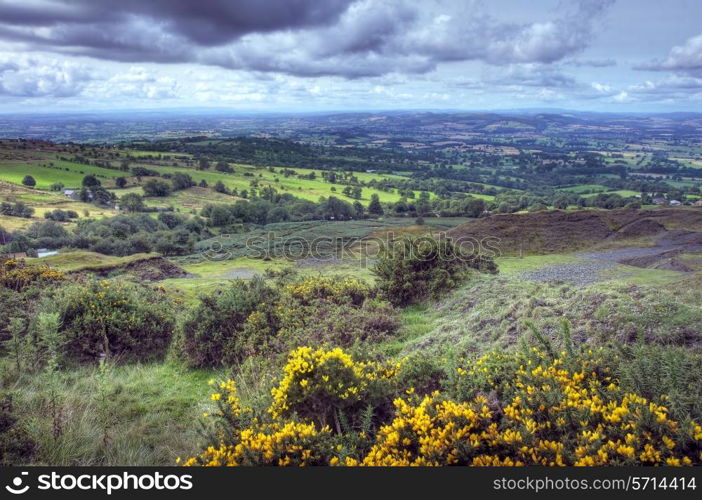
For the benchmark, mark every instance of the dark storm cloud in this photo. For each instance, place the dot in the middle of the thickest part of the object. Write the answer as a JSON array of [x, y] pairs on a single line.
[[206, 22], [349, 38]]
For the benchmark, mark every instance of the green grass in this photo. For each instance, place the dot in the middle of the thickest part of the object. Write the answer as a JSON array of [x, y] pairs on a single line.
[[515, 265], [153, 410], [85, 261], [302, 188], [582, 188], [70, 174], [491, 312], [624, 193]]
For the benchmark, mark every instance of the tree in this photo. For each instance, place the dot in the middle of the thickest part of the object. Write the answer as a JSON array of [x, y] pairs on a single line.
[[335, 209], [132, 202], [374, 207], [170, 219], [224, 167], [358, 209], [56, 186], [181, 181], [220, 187], [474, 207], [203, 164], [29, 181], [90, 181], [120, 182], [102, 196], [155, 187]]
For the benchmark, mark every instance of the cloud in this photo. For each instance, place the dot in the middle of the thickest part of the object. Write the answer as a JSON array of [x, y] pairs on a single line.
[[209, 22], [347, 38], [31, 77], [685, 58], [593, 63]]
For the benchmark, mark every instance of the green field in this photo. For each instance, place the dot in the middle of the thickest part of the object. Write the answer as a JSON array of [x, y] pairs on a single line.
[[69, 174]]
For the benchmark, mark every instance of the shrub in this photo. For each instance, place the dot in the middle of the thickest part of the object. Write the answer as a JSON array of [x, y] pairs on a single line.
[[413, 269], [651, 370], [155, 187], [230, 325], [280, 444], [338, 325], [524, 408], [12, 306], [553, 414], [107, 319], [334, 311], [324, 385], [16, 275], [29, 181], [16, 446]]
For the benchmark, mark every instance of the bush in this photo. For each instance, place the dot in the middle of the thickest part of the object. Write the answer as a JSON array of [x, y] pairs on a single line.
[[652, 370], [326, 386], [16, 446], [13, 306], [16, 275], [335, 325], [29, 181], [278, 444], [154, 187], [414, 269], [230, 325], [554, 412], [333, 312], [106, 319], [523, 408], [59, 215]]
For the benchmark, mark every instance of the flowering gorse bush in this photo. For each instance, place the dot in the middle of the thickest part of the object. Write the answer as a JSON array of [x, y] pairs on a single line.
[[543, 411], [320, 384], [114, 319], [553, 416], [16, 275], [254, 317]]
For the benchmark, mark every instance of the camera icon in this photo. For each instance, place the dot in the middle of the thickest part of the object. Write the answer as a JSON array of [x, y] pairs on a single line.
[[16, 488]]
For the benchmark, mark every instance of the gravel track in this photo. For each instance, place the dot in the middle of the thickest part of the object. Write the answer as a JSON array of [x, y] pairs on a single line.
[[587, 269]]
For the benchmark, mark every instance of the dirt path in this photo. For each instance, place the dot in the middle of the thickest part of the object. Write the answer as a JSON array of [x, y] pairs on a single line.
[[589, 266]]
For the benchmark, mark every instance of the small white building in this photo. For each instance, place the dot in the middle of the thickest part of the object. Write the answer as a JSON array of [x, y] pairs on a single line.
[[71, 193], [675, 203]]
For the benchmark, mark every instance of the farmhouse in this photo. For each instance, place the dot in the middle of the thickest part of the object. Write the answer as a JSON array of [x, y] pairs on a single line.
[[698, 203], [675, 203], [71, 193]]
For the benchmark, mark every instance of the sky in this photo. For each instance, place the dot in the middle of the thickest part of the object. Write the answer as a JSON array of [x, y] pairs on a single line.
[[350, 55]]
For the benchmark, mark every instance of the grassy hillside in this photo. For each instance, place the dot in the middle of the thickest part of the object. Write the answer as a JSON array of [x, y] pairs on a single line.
[[562, 231]]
